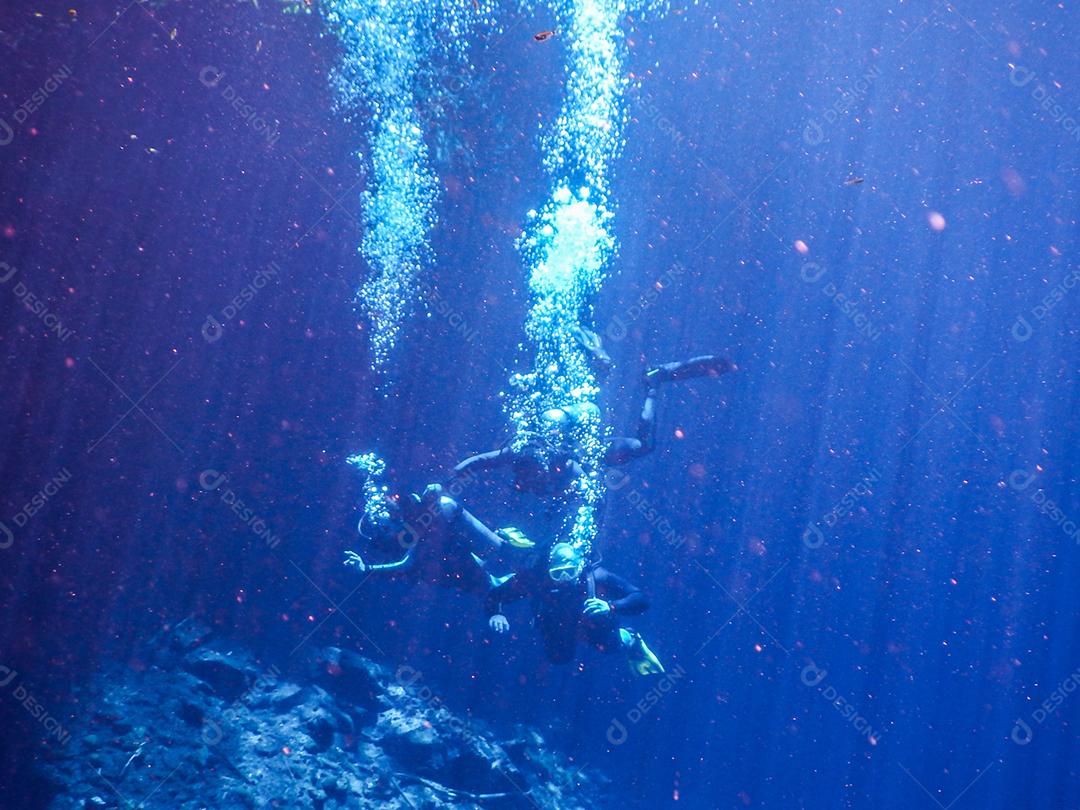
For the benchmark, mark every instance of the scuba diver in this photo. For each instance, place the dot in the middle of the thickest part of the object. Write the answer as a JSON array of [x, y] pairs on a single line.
[[573, 600], [546, 464], [444, 543]]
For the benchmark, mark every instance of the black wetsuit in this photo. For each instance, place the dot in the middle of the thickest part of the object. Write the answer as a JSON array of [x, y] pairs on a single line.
[[440, 538], [547, 471], [443, 557], [536, 468], [559, 607]]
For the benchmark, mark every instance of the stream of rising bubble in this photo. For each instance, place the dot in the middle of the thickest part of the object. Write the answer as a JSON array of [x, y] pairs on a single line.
[[389, 48], [568, 245]]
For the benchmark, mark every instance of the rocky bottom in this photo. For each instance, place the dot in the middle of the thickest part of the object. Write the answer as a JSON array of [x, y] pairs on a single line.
[[207, 726]]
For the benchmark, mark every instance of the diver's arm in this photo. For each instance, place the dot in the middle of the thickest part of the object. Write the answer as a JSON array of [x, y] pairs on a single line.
[[484, 461], [399, 566], [629, 601], [402, 565], [480, 539]]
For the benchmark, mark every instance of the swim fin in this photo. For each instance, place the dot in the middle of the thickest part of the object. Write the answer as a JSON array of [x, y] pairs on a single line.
[[641, 659], [706, 365], [495, 581], [515, 537]]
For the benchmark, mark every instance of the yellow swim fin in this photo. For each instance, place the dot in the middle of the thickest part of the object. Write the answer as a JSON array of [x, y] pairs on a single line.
[[515, 537], [641, 659]]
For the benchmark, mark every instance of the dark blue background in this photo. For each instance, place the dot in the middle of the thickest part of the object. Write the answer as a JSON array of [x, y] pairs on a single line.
[[943, 606]]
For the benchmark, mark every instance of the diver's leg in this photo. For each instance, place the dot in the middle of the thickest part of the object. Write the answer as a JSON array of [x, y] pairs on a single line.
[[622, 448], [646, 426], [472, 576], [480, 538], [452, 515], [705, 365]]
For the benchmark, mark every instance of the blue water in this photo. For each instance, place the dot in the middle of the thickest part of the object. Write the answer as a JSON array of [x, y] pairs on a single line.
[[861, 548]]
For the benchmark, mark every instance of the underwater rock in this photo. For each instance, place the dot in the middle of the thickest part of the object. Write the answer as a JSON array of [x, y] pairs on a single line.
[[227, 675], [214, 727], [189, 634], [349, 676]]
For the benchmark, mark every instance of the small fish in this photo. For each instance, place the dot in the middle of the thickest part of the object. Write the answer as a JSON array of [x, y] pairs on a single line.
[[543, 35], [854, 181]]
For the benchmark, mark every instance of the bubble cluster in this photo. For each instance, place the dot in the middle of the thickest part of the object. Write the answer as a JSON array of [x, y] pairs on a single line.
[[389, 48], [588, 134], [372, 466], [568, 245]]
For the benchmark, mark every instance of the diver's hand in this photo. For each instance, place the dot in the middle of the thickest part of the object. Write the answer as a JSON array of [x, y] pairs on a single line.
[[432, 492], [597, 607], [352, 558], [498, 623]]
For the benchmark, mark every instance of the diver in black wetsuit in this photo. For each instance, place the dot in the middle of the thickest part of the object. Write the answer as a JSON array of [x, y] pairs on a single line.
[[573, 600], [444, 543], [546, 464]]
